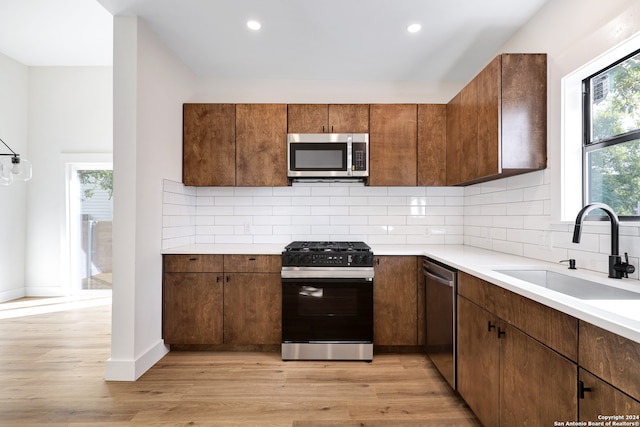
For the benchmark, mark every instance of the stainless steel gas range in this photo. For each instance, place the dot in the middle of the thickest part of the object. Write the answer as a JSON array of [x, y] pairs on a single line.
[[327, 301]]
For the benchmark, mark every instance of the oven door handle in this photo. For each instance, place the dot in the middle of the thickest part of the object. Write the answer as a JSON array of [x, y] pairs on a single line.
[[326, 281], [437, 278]]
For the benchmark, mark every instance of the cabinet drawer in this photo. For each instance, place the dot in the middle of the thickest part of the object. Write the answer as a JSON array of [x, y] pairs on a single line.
[[547, 325], [611, 357], [192, 263], [486, 295], [252, 263]]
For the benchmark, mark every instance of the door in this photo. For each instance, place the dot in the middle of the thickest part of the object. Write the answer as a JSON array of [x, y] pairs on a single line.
[[252, 308], [598, 398], [479, 361], [327, 310], [89, 226]]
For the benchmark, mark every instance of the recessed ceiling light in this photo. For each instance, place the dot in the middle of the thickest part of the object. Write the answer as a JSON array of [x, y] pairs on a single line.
[[414, 28], [254, 25]]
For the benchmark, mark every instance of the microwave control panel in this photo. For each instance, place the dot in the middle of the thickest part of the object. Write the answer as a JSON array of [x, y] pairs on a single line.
[[359, 160]]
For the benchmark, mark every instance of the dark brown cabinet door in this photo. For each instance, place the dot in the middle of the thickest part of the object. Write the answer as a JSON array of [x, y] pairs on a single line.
[[432, 144], [308, 118], [454, 143], [192, 308], [252, 308], [393, 144], [537, 385], [208, 145], [348, 118], [261, 138], [600, 398], [488, 120], [395, 297], [479, 361], [469, 131]]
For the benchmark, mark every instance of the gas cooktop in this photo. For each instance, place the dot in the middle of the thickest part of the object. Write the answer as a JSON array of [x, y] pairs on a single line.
[[327, 254], [301, 246]]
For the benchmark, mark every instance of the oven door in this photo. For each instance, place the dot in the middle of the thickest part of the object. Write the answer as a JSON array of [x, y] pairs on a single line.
[[327, 310]]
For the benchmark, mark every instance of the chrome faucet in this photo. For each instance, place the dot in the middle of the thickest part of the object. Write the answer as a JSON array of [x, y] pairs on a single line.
[[617, 268]]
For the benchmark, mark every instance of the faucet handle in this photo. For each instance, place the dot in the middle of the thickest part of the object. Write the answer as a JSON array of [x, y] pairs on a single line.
[[572, 263], [628, 267]]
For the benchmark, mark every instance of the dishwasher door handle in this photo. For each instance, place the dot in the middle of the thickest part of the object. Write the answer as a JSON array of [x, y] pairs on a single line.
[[437, 278]]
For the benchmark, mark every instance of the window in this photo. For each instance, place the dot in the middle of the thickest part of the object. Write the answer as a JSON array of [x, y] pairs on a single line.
[[611, 140]]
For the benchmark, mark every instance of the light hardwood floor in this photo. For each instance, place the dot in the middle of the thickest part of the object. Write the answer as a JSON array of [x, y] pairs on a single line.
[[52, 367]]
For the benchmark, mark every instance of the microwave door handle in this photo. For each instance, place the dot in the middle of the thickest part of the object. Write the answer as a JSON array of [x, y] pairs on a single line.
[[349, 165]]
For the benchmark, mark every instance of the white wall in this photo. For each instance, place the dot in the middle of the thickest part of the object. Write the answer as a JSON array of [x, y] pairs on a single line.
[[150, 86], [14, 84], [70, 112], [521, 215]]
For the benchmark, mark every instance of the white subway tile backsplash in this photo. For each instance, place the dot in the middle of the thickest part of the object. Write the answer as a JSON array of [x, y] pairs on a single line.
[[511, 215]]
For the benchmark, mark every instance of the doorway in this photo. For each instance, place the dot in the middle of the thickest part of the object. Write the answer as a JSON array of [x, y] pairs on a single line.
[[89, 224]]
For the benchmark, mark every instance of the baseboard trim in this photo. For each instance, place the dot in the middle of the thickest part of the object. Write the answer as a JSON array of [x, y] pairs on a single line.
[[131, 370]]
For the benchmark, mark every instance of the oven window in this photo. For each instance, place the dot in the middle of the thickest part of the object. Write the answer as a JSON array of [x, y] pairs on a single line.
[[327, 157], [314, 301]]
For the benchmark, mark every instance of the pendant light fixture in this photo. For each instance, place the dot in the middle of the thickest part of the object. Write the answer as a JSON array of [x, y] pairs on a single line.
[[13, 168]]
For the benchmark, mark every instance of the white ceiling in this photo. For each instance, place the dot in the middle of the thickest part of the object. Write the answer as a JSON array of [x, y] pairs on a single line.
[[299, 39]]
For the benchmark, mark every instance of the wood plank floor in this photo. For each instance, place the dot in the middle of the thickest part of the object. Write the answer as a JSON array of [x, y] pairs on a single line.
[[52, 368]]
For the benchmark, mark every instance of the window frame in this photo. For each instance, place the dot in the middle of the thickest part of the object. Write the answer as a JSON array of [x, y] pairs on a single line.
[[590, 146]]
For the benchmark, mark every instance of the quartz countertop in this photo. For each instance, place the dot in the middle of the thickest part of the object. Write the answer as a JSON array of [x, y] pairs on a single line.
[[619, 316]]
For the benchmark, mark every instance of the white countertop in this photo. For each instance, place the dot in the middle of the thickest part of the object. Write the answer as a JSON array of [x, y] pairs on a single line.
[[619, 316]]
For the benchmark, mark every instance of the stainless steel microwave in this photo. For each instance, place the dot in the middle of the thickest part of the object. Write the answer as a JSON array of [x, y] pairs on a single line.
[[328, 155]]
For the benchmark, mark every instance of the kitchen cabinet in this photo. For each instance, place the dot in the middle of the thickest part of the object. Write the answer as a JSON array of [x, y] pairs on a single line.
[[432, 144], [192, 299], [252, 299], [332, 118], [221, 299], [500, 365], [261, 139], [498, 121], [613, 359], [209, 144], [395, 301], [454, 143], [393, 144], [599, 398]]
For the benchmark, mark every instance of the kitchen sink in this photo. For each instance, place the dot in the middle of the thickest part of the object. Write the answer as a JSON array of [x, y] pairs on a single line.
[[570, 285]]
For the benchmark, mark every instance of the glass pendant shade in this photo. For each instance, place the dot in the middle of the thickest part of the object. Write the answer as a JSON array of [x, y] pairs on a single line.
[[21, 170], [6, 178]]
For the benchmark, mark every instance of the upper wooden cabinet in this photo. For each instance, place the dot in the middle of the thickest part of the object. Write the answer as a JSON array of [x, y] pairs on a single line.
[[209, 144], [497, 125], [432, 144], [332, 118], [393, 144], [261, 141]]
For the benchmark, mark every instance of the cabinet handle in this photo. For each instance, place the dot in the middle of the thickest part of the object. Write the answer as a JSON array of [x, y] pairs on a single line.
[[227, 279], [322, 128], [582, 389], [500, 332], [193, 259], [252, 259], [490, 326], [217, 279]]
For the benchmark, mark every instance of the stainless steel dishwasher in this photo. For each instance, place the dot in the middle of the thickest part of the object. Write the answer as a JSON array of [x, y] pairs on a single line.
[[441, 317]]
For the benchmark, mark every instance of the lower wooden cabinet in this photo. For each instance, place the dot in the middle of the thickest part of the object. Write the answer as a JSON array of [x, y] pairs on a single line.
[[240, 304], [252, 308], [600, 398], [508, 378], [478, 361], [192, 308], [395, 301]]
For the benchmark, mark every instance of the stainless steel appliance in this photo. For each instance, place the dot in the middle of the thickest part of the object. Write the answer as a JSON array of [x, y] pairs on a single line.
[[441, 317], [328, 156], [327, 301]]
